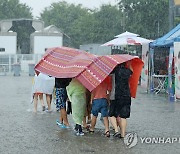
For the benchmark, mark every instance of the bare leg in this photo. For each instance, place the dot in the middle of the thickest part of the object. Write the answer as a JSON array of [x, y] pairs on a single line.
[[118, 121], [64, 116], [41, 99], [89, 118], [93, 123], [35, 102], [123, 125], [48, 99], [60, 117], [114, 123], [84, 122], [106, 124]]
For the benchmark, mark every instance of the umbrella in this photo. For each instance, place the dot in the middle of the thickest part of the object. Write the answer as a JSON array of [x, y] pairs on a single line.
[[127, 34], [127, 40], [89, 69], [64, 62], [97, 71]]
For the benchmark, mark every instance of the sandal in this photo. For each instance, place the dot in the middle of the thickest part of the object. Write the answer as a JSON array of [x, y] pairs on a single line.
[[43, 108], [59, 123], [117, 134], [91, 131], [87, 127], [121, 136], [107, 134]]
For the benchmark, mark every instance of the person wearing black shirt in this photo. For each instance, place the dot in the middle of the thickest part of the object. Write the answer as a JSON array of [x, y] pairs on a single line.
[[120, 106], [61, 97]]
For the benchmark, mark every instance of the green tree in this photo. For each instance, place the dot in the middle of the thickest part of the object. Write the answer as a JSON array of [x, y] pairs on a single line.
[[64, 16], [84, 25], [12, 9], [82, 30], [145, 17], [108, 23], [97, 26]]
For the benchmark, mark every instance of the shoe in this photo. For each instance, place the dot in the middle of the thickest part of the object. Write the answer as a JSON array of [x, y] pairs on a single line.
[[91, 131], [75, 130], [121, 137], [80, 133], [58, 123], [107, 134], [117, 134], [87, 127], [64, 126], [43, 108], [48, 111]]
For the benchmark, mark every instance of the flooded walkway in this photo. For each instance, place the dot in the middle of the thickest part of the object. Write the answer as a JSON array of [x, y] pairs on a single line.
[[23, 132]]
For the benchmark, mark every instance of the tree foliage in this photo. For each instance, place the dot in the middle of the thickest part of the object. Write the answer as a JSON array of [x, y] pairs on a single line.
[[109, 23], [12, 9], [145, 17], [64, 16], [83, 25]]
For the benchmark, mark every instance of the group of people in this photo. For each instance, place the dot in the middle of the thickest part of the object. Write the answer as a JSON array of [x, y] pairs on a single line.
[[111, 98]]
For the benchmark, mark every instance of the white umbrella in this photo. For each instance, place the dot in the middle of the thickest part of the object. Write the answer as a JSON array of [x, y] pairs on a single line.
[[127, 34], [130, 40]]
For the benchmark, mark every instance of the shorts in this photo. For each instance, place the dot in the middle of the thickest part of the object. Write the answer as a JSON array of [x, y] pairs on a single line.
[[100, 105], [61, 97], [120, 107]]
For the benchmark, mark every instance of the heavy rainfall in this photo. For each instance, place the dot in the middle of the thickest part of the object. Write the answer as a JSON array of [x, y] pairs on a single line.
[[82, 79]]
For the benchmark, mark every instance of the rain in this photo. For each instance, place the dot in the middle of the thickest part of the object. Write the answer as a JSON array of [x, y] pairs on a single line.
[[86, 40]]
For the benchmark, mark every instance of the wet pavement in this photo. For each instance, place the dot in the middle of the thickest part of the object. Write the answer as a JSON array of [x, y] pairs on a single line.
[[23, 132]]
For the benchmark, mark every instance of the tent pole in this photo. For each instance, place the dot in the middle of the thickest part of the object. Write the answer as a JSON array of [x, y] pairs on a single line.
[[170, 87], [151, 70]]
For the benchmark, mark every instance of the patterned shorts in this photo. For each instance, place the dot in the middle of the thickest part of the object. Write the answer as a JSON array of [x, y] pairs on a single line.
[[61, 97]]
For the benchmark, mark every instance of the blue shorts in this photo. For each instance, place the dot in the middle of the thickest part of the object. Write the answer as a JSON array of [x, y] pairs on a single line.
[[100, 105], [61, 97]]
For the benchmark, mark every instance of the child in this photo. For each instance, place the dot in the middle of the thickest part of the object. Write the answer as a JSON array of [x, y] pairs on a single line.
[[99, 97], [37, 94], [61, 98], [77, 95]]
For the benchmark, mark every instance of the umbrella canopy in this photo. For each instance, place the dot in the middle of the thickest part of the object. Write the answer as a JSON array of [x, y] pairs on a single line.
[[95, 73], [168, 39], [127, 40], [64, 62], [127, 34], [89, 69]]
